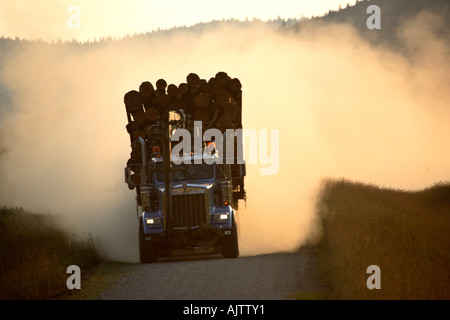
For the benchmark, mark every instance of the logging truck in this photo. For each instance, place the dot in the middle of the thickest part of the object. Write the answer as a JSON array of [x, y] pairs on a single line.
[[187, 190]]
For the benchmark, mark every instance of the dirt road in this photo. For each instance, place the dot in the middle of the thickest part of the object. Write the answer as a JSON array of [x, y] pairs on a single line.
[[272, 276]]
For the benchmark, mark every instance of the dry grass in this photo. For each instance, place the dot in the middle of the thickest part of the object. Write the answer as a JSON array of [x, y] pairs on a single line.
[[406, 234], [35, 255]]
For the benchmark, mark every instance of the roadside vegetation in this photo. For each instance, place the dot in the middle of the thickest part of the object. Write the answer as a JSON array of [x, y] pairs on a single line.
[[35, 254], [406, 234]]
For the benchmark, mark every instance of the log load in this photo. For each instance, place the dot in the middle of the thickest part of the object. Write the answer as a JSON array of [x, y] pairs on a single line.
[[216, 102], [133, 101], [146, 90]]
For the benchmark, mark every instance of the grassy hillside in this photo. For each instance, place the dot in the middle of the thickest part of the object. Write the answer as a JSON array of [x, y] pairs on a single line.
[[35, 255], [406, 234]]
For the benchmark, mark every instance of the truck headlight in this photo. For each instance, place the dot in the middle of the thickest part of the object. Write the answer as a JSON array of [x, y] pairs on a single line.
[[153, 221], [221, 217]]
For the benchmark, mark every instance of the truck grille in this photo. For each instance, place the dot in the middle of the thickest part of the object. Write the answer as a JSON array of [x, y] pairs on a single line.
[[189, 210]]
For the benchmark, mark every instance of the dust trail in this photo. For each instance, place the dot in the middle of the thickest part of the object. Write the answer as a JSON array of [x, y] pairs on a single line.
[[344, 109]]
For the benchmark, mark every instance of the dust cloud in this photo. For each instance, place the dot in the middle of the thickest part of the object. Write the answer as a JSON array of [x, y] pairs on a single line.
[[343, 109]]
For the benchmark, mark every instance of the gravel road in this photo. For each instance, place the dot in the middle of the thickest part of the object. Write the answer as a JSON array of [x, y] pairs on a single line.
[[271, 276]]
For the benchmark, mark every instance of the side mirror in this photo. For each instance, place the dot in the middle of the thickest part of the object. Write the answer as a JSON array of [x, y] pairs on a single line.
[[238, 171], [127, 174], [243, 170]]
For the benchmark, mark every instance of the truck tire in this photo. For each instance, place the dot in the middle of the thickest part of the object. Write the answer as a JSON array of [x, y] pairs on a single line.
[[148, 251], [230, 244]]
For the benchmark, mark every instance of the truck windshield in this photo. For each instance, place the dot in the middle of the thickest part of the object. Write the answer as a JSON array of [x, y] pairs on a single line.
[[186, 171]]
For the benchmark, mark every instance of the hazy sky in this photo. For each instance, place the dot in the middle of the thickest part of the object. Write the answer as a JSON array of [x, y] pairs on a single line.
[[355, 111], [85, 19]]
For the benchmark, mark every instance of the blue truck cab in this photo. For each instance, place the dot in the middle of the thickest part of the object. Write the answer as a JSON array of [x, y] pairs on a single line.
[[203, 210]]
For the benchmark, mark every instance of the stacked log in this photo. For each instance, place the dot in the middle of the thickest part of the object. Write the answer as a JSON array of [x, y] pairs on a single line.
[[216, 102]]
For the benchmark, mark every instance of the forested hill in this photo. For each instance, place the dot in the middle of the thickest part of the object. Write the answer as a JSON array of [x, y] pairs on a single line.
[[394, 14]]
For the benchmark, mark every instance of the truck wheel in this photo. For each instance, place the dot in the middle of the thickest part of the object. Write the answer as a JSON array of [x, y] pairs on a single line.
[[148, 251], [230, 244]]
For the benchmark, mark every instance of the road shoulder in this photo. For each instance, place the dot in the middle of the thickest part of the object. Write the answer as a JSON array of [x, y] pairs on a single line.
[[99, 279]]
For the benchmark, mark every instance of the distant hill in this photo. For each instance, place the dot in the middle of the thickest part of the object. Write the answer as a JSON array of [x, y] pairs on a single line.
[[393, 13]]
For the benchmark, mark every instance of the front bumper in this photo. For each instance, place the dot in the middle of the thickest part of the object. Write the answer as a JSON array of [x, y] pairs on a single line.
[[220, 217]]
